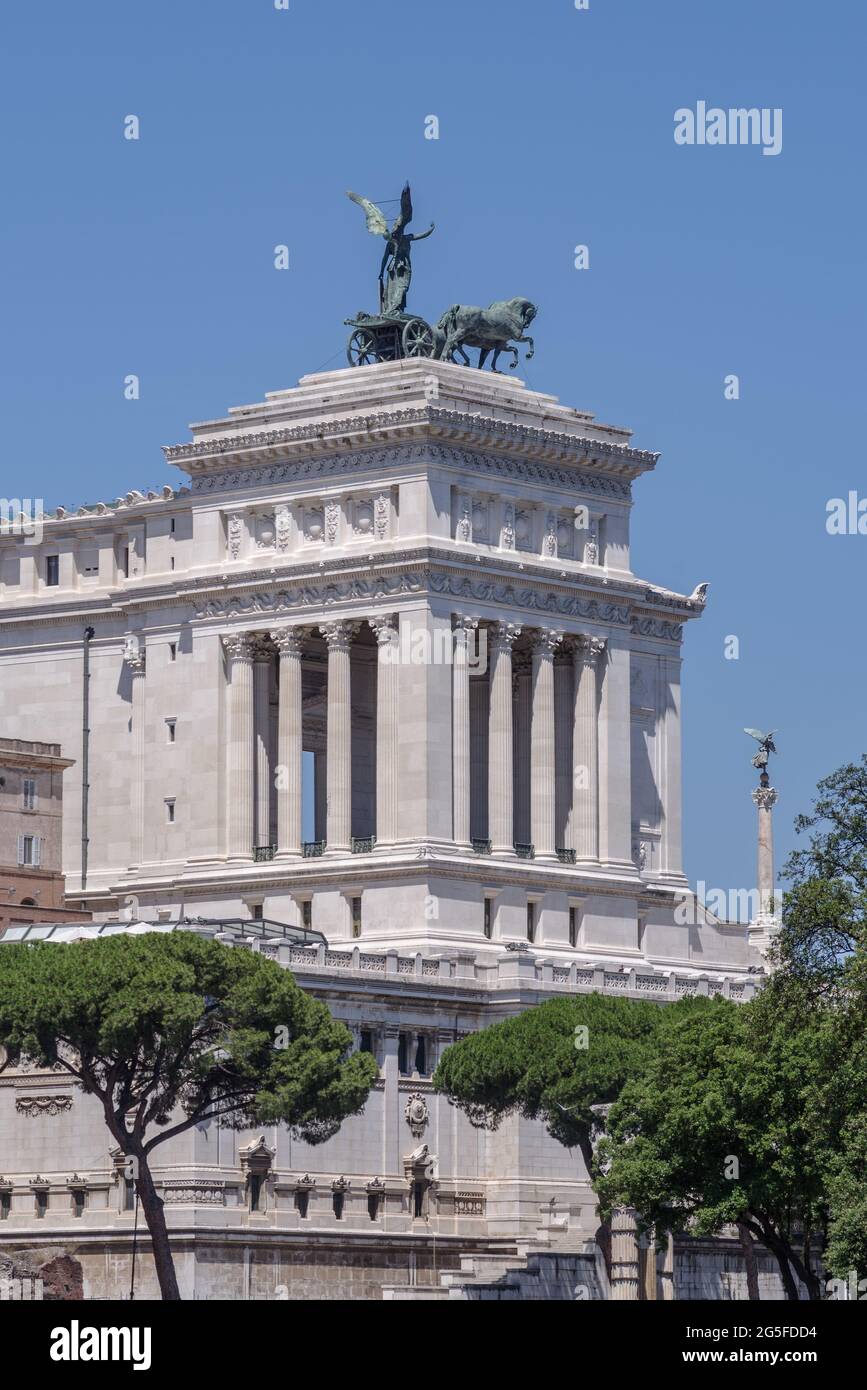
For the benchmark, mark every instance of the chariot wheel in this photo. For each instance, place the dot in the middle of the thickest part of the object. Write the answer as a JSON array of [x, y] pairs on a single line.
[[361, 349], [417, 339]]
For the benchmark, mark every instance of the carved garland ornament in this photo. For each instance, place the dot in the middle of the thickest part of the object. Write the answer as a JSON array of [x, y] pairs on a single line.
[[42, 1105]]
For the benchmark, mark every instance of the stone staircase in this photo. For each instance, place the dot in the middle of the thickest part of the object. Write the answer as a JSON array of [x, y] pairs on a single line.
[[534, 1272]]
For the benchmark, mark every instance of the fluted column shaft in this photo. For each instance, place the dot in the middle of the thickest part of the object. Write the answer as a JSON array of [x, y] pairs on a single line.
[[585, 754], [522, 683], [135, 659], [564, 676], [500, 764], [624, 1255], [465, 630], [290, 645], [338, 637], [542, 745], [241, 775], [261, 719], [387, 745]]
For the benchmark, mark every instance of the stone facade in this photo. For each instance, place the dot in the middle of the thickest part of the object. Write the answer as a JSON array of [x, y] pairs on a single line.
[[379, 668], [31, 819]]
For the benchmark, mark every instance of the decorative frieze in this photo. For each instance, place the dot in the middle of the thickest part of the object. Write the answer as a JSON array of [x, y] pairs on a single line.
[[43, 1105]]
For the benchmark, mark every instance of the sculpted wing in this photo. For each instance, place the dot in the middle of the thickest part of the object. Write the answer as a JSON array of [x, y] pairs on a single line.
[[376, 223], [756, 734]]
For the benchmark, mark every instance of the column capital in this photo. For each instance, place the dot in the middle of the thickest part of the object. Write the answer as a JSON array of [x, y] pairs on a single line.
[[545, 641], [504, 635], [463, 625], [238, 646], [289, 641], [765, 797], [338, 634], [384, 627], [134, 654], [261, 648], [589, 649]]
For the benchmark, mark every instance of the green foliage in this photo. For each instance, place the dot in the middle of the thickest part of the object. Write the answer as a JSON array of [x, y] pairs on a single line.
[[167, 1020], [530, 1064], [847, 1187]]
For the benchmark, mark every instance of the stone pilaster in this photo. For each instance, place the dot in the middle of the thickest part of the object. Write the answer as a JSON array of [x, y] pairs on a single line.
[[134, 656], [542, 744], [585, 754], [338, 638], [239, 653], [502, 638], [463, 627], [290, 646], [262, 661], [387, 716]]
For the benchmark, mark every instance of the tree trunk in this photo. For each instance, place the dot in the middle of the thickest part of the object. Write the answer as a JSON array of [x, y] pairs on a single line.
[[781, 1255], [749, 1250], [154, 1213]]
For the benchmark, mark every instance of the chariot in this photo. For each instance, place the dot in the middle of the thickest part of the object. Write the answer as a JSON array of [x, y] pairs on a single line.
[[380, 338]]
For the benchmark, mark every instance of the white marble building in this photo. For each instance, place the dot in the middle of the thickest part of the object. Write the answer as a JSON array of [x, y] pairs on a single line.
[[395, 604]]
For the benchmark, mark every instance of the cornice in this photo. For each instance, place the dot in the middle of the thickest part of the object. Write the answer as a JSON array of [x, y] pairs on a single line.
[[412, 421], [603, 483], [511, 582]]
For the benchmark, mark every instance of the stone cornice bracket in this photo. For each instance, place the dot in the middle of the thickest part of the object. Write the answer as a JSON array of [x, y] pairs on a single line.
[[384, 627], [503, 636], [257, 1157], [765, 797], [338, 634], [134, 653], [289, 641], [238, 646]]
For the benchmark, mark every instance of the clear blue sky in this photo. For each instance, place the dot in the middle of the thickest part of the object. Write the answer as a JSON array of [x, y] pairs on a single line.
[[556, 128]]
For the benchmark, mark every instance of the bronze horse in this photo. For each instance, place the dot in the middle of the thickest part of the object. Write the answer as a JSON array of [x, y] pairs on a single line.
[[490, 330]]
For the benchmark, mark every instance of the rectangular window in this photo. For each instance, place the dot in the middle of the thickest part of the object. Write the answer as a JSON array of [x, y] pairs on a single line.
[[124, 561], [171, 562], [52, 570], [170, 811], [173, 651], [421, 1062], [373, 1200], [78, 1201], [30, 850], [171, 729], [128, 1194], [258, 912], [531, 922], [356, 917], [302, 1201], [28, 792], [488, 926], [367, 1041], [403, 1042], [573, 926], [337, 1203], [172, 525], [307, 913], [5, 1205], [255, 1191], [41, 1204]]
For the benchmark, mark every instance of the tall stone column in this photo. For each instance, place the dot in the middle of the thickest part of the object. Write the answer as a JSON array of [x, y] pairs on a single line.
[[134, 656], [262, 659], [671, 788], [767, 923], [387, 744], [624, 1256], [290, 645], [338, 638], [464, 631], [564, 713], [241, 777], [585, 749], [501, 639], [522, 686], [542, 784], [614, 741]]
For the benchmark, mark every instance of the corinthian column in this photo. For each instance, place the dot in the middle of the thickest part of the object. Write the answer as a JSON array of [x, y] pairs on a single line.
[[585, 756], [542, 744], [134, 656], [240, 781], [465, 630], [290, 644], [387, 695], [261, 719], [338, 833], [500, 766]]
